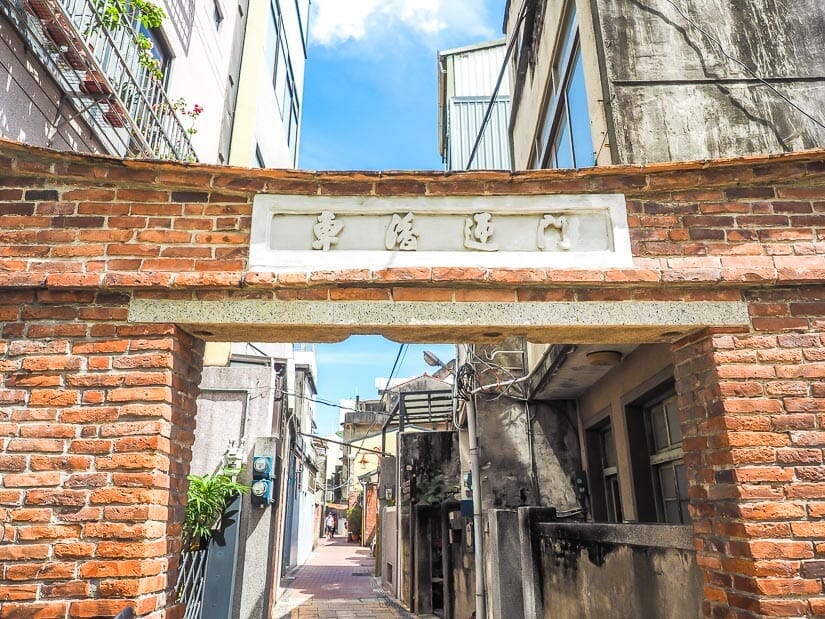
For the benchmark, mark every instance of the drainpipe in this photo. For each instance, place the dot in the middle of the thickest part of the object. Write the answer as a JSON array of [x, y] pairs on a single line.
[[478, 537], [475, 472]]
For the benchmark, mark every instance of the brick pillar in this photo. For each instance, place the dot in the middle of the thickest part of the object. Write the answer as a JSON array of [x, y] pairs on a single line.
[[96, 425], [753, 415]]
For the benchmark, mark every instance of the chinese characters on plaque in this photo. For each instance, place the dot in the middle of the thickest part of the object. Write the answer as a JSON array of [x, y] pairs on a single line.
[[403, 235]]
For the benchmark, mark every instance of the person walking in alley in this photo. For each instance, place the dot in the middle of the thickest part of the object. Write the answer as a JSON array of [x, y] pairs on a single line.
[[329, 523]]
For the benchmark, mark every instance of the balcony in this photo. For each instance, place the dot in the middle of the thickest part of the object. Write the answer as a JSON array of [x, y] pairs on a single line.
[[101, 70]]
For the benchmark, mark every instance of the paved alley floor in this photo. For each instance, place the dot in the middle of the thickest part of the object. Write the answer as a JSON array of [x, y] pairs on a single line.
[[336, 582]]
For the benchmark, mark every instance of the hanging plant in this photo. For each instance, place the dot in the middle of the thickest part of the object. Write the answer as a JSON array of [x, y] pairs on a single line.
[[206, 503], [116, 14]]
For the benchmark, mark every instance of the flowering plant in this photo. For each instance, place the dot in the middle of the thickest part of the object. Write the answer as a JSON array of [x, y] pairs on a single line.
[[180, 106]]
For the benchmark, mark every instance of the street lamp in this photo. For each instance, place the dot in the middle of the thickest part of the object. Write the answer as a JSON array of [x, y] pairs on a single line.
[[432, 360]]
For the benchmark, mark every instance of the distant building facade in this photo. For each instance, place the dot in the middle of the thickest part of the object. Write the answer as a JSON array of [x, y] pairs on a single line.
[[203, 81], [467, 78], [266, 126]]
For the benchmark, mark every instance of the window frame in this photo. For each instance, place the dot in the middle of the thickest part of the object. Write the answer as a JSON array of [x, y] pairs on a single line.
[[289, 111], [556, 109], [671, 456], [605, 486], [646, 459], [217, 14], [303, 22]]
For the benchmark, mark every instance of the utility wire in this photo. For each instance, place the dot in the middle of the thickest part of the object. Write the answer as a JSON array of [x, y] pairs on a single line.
[[489, 111], [721, 47]]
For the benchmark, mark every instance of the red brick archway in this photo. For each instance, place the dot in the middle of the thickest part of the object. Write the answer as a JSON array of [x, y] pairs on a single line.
[[96, 409]]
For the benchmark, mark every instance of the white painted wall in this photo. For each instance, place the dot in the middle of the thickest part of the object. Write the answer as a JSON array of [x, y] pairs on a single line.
[[258, 122], [199, 75]]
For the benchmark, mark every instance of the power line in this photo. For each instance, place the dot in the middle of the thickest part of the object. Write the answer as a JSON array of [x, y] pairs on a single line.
[[319, 401], [721, 47], [489, 111]]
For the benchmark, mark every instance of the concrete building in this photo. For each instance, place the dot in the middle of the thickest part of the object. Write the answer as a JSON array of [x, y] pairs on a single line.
[[616, 82], [259, 401], [467, 80], [571, 433], [198, 81], [77, 78], [271, 85]]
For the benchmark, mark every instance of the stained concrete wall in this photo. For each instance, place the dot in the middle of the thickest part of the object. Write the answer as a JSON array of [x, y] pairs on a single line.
[[389, 560], [503, 565], [428, 460], [660, 90], [674, 96], [527, 454], [234, 403], [617, 571]]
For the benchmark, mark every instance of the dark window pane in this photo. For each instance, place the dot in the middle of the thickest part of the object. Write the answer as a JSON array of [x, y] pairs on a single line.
[[658, 427], [681, 479], [562, 146], [667, 482], [672, 410], [579, 116], [608, 448], [614, 501], [686, 519], [673, 512]]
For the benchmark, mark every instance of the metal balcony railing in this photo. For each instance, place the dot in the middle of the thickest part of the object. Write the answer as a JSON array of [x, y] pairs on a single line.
[[99, 69]]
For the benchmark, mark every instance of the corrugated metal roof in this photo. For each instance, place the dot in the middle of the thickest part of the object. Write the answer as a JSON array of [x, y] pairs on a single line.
[[465, 117], [475, 72]]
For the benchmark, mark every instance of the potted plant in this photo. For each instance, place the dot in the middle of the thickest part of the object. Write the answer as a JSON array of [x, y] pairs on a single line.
[[354, 523], [207, 500]]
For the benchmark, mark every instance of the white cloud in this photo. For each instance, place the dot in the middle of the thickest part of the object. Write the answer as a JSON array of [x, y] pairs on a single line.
[[338, 21]]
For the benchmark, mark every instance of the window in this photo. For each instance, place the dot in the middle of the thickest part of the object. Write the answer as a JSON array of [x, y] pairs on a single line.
[[160, 51], [283, 80], [302, 8], [604, 474], [657, 459], [666, 460], [564, 139], [217, 14], [182, 15]]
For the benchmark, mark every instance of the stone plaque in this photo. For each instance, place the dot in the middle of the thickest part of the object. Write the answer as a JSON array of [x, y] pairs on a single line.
[[325, 232]]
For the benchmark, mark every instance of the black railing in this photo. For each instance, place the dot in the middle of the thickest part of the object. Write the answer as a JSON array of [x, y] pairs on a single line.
[[104, 73], [190, 585]]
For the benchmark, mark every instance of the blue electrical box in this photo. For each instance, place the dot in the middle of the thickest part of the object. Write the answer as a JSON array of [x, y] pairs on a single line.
[[467, 508], [262, 488]]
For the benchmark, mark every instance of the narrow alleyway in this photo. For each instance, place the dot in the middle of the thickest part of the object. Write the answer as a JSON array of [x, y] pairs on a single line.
[[336, 582]]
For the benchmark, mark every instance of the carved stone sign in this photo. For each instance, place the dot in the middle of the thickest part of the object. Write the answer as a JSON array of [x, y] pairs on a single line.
[[325, 232]]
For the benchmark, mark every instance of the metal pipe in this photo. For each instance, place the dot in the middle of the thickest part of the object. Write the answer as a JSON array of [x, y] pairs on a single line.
[[478, 537], [475, 472]]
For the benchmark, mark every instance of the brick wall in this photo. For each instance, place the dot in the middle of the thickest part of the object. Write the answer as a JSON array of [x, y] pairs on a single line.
[[96, 414], [71, 221], [97, 420], [754, 426]]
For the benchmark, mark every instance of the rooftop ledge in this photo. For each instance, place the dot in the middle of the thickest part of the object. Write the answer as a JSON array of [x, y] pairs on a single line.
[[30, 161]]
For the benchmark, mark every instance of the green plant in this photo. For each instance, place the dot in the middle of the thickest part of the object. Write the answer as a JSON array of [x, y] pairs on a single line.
[[115, 14], [206, 502], [354, 521], [435, 490]]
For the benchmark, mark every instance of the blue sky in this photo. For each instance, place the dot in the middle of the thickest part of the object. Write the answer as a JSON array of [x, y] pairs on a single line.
[[370, 104], [371, 79]]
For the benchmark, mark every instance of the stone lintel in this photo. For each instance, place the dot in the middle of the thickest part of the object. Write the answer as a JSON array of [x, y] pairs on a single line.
[[330, 321]]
